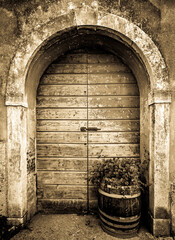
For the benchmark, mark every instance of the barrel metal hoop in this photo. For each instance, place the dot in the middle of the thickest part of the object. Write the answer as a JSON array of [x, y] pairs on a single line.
[[118, 196], [120, 226], [120, 219]]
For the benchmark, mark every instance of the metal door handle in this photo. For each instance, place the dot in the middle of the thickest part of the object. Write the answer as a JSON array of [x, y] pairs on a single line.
[[92, 129]]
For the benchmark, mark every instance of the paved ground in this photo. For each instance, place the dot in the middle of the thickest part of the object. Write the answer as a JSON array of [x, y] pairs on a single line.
[[71, 227]]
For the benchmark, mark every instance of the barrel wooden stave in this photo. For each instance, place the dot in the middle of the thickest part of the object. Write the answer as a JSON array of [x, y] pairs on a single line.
[[119, 214]]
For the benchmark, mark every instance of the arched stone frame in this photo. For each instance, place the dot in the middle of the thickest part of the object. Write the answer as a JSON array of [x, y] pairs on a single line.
[[20, 102]]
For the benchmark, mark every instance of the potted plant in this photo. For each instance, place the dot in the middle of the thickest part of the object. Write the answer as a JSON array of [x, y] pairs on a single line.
[[119, 195]]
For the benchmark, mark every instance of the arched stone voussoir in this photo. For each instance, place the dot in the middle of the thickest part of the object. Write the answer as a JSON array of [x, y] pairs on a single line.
[[42, 35], [143, 45], [29, 45]]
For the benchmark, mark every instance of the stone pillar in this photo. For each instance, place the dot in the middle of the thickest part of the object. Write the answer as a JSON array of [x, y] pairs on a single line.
[[17, 166], [159, 202]]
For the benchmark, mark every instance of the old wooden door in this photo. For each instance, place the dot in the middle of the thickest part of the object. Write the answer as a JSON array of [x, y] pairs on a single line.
[[87, 111]]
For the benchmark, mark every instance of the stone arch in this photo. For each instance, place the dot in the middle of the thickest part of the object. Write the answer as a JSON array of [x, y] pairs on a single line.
[[37, 50], [127, 32]]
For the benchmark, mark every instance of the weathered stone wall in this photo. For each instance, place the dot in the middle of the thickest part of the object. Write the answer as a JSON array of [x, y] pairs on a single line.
[[31, 166], [19, 18], [167, 44], [7, 48], [3, 180]]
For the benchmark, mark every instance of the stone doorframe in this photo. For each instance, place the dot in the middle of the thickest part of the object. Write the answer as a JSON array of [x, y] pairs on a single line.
[[77, 28]]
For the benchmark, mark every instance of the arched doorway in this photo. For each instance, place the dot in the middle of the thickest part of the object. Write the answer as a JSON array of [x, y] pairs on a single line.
[[41, 48], [87, 111]]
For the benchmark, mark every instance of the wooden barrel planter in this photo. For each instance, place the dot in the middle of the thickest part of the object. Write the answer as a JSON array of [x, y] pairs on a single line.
[[119, 210]]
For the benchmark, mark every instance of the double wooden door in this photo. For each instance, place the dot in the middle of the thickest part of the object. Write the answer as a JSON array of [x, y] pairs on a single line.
[[87, 111]]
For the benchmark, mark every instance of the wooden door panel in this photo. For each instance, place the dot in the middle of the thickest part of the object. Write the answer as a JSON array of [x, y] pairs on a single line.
[[57, 79], [62, 102], [114, 150], [107, 68], [60, 114], [63, 192], [113, 101], [67, 68], [114, 137], [116, 125], [62, 205], [61, 146], [72, 58], [113, 89], [114, 113], [61, 178], [102, 58], [111, 78], [73, 125], [61, 137], [60, 125], [62, 164], [94, 161], [62, 90], [61, 150]]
